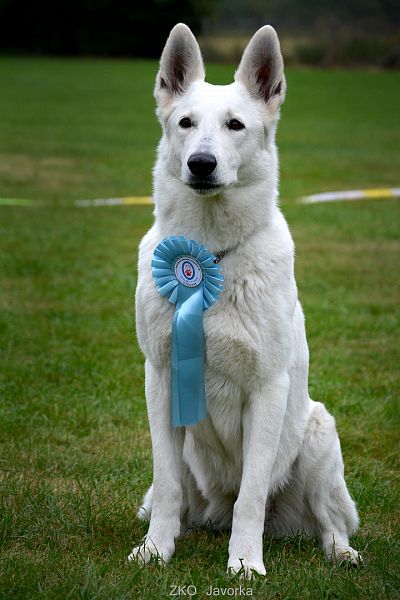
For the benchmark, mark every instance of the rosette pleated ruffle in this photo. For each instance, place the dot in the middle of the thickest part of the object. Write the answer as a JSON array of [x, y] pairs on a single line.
[[162, 265]]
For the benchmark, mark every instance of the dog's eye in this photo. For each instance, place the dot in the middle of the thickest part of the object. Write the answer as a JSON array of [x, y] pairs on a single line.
[[185, 123], [235, 125]]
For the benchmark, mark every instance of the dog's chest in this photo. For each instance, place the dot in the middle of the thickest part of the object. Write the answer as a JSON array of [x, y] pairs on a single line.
[[233, 345]]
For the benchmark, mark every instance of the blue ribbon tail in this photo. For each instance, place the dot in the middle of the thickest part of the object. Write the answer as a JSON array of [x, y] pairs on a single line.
[[187, 363]]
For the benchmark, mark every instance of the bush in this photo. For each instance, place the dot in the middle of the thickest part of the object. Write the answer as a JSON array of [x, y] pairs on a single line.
[[360, 50], [367, 50], [311, 53]]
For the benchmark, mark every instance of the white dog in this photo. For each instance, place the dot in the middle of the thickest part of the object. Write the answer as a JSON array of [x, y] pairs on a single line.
[[267, 458]]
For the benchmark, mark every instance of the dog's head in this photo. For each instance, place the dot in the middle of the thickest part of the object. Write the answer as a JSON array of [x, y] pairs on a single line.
[[217, 133]]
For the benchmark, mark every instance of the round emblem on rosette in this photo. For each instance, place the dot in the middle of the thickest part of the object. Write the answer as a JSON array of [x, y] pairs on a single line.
[[188, 271]]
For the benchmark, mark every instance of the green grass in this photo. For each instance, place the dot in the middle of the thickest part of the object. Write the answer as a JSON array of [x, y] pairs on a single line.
[[75, 447], [86, 129]]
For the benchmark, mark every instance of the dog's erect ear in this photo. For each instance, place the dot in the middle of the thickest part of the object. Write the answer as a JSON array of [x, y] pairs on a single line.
[[180, 64], [261, 67]]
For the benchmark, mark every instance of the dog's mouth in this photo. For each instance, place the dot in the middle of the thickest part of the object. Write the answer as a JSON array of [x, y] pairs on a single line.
[[204, 187]]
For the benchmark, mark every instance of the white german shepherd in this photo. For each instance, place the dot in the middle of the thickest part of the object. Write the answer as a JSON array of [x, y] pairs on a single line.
[[267, 458]]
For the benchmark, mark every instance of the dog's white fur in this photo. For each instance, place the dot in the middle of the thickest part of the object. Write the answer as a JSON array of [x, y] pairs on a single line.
[[267, 458]]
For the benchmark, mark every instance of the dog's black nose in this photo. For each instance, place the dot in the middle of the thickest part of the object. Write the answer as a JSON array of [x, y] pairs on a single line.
[[202, 164]]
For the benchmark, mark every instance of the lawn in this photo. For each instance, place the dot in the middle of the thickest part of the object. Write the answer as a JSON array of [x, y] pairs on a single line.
[[75, 447]]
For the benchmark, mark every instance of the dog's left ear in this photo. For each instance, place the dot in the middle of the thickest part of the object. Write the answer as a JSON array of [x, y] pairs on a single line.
[[261, 67], [181, 64]]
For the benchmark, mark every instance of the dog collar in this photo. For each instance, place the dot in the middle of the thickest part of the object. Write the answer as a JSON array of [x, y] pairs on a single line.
[[190, 277], [220, 255]]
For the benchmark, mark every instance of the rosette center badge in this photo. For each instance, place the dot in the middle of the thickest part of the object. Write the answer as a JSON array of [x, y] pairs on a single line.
[[188, 271], [187, 274]]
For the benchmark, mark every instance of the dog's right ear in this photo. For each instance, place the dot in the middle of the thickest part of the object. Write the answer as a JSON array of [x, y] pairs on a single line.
[[261, 68], [180, 64]]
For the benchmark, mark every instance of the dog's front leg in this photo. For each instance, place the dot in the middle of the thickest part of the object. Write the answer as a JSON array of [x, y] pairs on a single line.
[[262, 421], [167, 446]]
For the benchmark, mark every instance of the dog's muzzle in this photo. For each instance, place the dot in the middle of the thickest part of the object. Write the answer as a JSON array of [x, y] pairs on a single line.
[[202, 166]]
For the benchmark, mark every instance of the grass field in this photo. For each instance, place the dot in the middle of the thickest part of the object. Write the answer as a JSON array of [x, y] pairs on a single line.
[[75, 447]]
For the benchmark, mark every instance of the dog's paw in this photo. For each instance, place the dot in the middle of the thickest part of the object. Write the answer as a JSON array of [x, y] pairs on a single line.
[[148, 550], [245, 568], [346, 555]]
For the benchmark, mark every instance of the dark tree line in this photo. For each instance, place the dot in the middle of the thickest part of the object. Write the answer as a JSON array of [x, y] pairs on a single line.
[[100, 27], [306, 15], [139, 28]]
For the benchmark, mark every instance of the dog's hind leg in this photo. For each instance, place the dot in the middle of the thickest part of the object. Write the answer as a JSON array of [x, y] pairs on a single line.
[[315, 501], [193, 505], [320, 468]]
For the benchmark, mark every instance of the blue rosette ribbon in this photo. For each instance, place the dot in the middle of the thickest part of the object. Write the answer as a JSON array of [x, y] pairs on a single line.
[[187, 275]]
